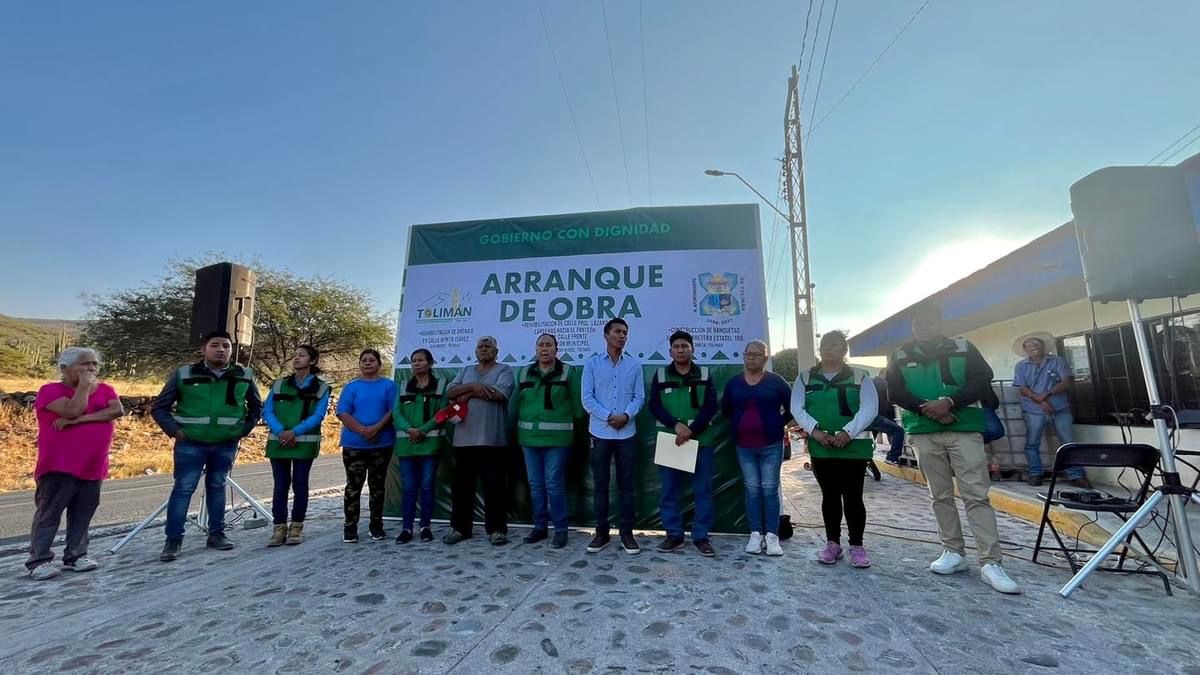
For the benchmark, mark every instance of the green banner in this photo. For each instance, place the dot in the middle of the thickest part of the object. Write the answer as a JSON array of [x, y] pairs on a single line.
[[728, 496]]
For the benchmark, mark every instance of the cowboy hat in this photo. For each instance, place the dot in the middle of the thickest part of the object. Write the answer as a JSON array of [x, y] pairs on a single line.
[[1046, 338]]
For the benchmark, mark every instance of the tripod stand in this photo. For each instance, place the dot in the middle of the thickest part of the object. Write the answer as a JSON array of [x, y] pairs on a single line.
[[1172, 489], [200, 521]]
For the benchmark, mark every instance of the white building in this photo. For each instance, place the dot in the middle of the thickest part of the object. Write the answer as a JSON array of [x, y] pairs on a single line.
[[1039, 287]]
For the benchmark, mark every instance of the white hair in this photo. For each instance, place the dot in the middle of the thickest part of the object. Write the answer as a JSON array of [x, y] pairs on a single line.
[[761, 343], [72, 355]]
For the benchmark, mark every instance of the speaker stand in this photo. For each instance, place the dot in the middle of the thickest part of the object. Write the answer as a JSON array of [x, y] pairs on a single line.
[[1172, 490]]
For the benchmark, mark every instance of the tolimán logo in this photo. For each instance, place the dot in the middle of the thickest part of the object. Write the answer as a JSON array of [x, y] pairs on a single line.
[[445, 307]]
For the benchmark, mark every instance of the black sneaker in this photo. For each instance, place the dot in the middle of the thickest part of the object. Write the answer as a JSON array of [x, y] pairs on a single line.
[[560, 539], [629, 543], [219, 541], [705, 547], [377, 533], [170, 550], [350, 534], [426, 534], [671, 543], [598, 543], [405, 537], [535, 536], [1035, 481], [453, 537], [874, 470]]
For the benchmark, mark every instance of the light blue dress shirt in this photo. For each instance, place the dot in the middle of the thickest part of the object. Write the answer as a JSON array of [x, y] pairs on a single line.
[[612, 388]]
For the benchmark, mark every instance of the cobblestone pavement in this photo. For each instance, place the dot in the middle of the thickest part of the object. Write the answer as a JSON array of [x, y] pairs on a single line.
[[325, 606]]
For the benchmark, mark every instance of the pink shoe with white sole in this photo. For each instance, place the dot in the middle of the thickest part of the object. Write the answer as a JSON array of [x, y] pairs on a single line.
[[830, 554], [858, 557]]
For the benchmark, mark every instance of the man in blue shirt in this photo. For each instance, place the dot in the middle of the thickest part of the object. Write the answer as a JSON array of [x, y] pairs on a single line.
[[1043, 380], [613, 392]]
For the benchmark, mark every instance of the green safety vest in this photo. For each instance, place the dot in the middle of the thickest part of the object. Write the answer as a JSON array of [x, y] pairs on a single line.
[[416, 407], [683, 396], [546, 406], [211, 410], [292, 406], [932, 376], [833, 403]]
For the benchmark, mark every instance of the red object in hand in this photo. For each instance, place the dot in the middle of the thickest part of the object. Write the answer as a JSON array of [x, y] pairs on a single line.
[[453, 413]]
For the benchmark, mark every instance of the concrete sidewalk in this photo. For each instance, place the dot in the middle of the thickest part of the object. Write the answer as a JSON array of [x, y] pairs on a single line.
[[326, 606]]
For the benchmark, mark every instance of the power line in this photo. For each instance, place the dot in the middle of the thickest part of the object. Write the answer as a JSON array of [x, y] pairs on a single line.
[[812, 53], [645, 104], [1183, 147], [871, 67], [824, 60], [570, 110], [612, 71], [804, 40], [1172, 145]]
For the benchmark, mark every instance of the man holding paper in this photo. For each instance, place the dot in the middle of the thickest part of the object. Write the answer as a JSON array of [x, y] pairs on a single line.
[[683, 398]]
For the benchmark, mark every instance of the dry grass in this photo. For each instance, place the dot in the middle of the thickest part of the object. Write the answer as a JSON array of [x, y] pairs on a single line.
[[143, 388], [138, 448]]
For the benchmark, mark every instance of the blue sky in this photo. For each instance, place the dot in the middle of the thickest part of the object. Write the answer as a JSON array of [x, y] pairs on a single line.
[[312, 134]]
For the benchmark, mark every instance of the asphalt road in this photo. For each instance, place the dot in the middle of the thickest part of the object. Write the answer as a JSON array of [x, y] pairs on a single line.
[[132, 499]]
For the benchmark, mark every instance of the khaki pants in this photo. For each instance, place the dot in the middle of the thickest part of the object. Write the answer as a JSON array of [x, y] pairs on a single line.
[[944, 456]]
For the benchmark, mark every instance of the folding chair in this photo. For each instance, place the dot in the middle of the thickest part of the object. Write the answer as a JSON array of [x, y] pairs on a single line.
[[1138, 456]]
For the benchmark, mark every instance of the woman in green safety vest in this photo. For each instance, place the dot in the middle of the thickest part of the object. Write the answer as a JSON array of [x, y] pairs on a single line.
[[547, 405], [835, 404], [293, 411], [419, 440]]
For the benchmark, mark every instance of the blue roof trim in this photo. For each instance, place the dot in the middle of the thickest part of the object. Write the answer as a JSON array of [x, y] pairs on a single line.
[[1043, 262]]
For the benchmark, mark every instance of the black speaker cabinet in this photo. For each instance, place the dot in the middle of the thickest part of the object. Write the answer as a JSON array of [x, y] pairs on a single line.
[[224, 300], [1137, 231]]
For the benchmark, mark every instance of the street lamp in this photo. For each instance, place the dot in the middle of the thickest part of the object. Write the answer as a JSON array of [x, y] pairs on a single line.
[[804, 323]]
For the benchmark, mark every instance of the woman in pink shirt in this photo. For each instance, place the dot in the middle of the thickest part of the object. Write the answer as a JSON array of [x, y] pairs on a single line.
[[75, 429]]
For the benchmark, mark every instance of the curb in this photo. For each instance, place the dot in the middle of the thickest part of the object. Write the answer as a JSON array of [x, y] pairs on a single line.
[[1019, 506]]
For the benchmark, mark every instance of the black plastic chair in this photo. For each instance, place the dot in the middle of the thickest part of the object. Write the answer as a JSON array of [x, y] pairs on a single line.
[[1137, 456]]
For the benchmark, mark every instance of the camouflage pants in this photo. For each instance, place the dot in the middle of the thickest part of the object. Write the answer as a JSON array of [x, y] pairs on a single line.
[[368, 466]]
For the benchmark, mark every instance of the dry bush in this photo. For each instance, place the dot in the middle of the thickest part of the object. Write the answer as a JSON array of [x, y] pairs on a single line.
[[124, 388], [139, 447]]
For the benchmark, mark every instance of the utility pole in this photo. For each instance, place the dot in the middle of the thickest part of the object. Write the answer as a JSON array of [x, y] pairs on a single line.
[[793, 172]]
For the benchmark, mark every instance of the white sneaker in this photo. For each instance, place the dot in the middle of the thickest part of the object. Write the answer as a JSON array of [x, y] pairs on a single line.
[[994, 575], [44, 571], [948, 563], [755, 545], [773, 547], [81, 564]]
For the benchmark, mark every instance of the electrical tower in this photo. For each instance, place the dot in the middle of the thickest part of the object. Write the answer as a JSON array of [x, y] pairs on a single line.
[[793, 186]]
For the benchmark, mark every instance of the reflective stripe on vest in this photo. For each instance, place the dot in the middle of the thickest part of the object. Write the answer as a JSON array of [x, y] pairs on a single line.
[[546, 426], [306, 438], [191, 420]]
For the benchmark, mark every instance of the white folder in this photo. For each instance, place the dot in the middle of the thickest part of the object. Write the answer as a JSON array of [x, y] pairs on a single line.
[[682, 457]]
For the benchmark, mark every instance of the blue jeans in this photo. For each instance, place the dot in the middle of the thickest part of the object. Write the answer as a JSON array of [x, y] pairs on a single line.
[[547, 468], [895, 433], [192, 459], [993, 428], [760, 475], [672, 481], [1035, 425], [290, 474], [603, 454], [416, 476]]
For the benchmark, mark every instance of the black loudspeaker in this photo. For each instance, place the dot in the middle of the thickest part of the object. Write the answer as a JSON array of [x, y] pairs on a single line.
[[224, 300], [1138, 232]]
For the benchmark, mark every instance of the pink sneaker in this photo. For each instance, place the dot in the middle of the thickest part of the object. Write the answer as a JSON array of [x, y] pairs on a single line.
[[830, 554], [858, 557]]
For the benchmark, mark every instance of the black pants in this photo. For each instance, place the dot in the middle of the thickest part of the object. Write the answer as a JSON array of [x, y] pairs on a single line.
[[290, 474], [602, 454], [58, 492], [371, 466], [472, 462], [841, 482]]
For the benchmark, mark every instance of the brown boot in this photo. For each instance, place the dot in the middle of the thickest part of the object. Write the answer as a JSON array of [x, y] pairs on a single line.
[[295, 534], [278, 535]]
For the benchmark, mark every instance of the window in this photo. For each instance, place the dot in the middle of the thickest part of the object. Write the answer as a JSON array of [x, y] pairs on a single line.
[[1108, 381]]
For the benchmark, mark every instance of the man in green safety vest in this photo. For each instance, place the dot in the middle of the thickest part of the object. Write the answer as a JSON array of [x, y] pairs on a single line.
[[939, 382], [207, 407], [683, 398]]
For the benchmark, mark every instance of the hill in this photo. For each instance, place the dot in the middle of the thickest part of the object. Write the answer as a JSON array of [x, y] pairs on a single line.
[[28, 347]]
